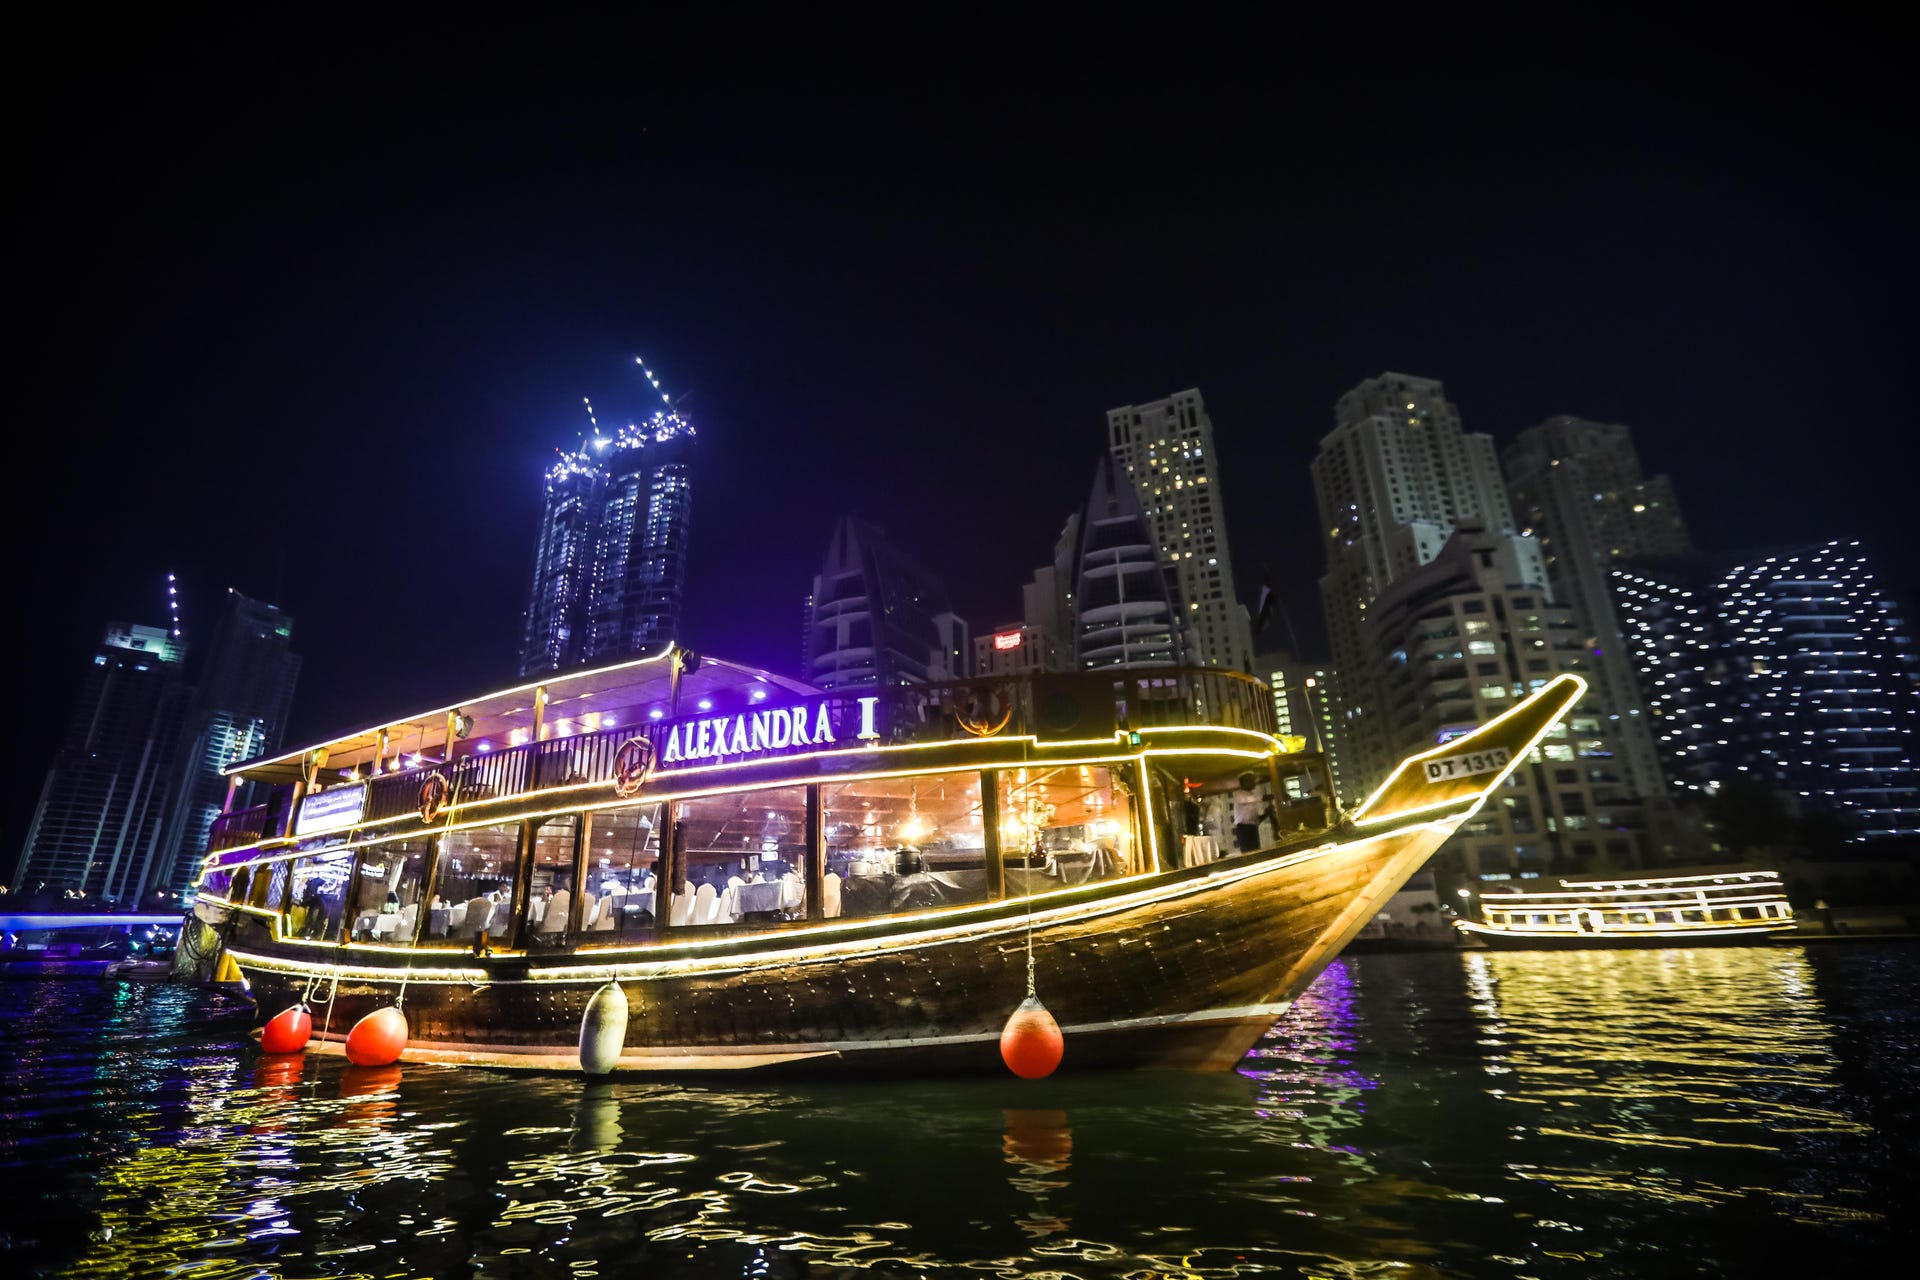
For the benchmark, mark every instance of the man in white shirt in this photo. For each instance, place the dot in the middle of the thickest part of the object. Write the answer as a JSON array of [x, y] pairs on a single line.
[[1248, 808]]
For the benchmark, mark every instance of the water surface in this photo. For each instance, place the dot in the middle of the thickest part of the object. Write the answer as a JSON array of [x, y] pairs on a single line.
[[1716, 1112]]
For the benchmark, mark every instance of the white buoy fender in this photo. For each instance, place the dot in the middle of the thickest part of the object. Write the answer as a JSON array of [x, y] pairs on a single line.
[[603, 1030]]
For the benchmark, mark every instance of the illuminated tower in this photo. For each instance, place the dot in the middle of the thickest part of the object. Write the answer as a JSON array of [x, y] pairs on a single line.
[[1306, 704], [1166, 449], [1577, 486], [640, 556], [610, 563], [1793, 669], [563, 561], [101, 823], [876, 617], [1394, 479], [1126, 599], [238, 711]]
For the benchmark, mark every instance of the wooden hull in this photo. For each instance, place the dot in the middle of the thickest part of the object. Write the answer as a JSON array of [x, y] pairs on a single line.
[[1181, 970]]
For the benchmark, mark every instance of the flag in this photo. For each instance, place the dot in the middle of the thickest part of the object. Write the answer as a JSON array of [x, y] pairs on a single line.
[[1263, 611]]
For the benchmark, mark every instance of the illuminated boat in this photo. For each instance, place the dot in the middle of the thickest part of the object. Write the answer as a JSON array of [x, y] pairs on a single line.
[[1712, 908], [778, 877]]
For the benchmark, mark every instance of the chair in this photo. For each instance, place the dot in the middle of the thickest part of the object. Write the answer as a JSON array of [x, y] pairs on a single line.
[[830, 895], [706, 906], [681, 910], [606, 912], [409, 917], [555, 919]]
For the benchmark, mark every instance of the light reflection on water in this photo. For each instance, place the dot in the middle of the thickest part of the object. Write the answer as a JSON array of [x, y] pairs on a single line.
[[1601, 1113], [1634, 1055]]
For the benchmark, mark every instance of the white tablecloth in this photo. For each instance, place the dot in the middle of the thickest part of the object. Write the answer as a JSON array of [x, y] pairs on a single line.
[[769, 895], [1196, 850]]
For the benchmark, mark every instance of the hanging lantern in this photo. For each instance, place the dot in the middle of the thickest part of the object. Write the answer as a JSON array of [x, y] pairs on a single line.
[[1031, 1044], [287, 1031], [377, 1039]]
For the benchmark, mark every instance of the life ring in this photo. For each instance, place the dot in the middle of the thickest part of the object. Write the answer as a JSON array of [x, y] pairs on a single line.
[[983, 717], [434, 793], [632, 766]]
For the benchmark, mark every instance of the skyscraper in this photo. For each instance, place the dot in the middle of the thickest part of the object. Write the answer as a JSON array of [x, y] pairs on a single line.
[[1126, 598], [1458, 641], [1578, 487], [1306, 705], [238, 710], [1393, 480], [610, 562], [101, 824], [646, 509], [876, 618], [1794, 669], [1166, 449]]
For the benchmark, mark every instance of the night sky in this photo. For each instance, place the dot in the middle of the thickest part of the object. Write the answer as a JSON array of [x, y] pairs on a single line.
[[308, 316]]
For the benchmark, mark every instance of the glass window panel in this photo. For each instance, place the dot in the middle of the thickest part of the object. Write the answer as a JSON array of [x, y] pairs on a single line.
[[740, 858], [475, 881], [551, 892], [623, 860], [385, 901], [269, 886], [1064, 826], [903, 844], [319, 895], [217, 884]]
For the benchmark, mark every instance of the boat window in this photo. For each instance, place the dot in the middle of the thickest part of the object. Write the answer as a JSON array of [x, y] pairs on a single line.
[[740, 859], [475, 880], [269, 886], [551, 891], [319, 895], [386, 896], [1064, 826], [217, 883], [903, 844], [268, 893], [623, 857]]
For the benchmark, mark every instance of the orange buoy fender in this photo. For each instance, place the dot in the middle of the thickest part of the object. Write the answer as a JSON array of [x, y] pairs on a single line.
[[287, 1031], [377, 1039], [1031, 1044]]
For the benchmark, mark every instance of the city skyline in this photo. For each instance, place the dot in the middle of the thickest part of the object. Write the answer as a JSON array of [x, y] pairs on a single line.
[[369, 369]]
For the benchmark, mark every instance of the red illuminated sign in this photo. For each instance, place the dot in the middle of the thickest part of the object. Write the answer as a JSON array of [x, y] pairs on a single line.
[[1007, 640]]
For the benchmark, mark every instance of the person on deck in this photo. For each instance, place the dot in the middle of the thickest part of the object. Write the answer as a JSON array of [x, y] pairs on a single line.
[[1248, 808]]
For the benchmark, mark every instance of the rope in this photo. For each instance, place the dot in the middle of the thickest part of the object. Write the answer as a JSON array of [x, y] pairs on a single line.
[[1031, 994], [332, 991]]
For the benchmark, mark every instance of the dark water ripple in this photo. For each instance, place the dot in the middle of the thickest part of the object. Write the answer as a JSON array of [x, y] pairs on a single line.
[[1714, 1112]]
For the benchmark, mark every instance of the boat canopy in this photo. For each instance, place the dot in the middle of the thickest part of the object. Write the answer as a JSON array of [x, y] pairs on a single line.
[[577, 701]]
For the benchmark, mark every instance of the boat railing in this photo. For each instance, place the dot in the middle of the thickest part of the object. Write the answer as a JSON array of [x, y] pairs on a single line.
[[1079, 704], [240, 827], [1052, 705], [481, 775]]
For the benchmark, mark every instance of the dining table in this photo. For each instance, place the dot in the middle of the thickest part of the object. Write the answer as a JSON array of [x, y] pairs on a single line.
[[768, 895]]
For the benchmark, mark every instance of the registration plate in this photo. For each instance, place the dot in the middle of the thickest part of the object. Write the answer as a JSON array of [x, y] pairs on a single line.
[[1492, 760]]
